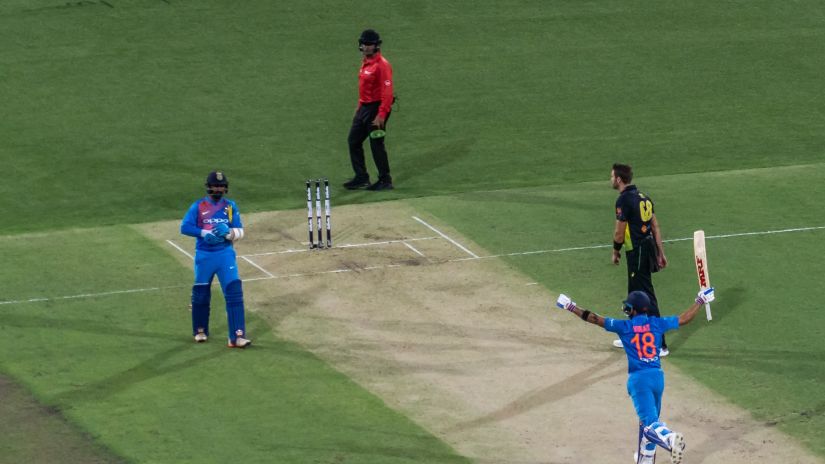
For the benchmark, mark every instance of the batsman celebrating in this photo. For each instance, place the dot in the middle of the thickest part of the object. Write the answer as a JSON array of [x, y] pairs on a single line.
[[642, 339], [216, 222]]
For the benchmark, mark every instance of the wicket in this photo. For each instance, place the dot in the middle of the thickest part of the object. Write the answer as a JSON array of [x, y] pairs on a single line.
[[314, 217]]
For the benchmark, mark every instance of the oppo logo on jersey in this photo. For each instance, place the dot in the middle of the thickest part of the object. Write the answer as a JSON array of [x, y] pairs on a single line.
[[700, 269], [215, 221]]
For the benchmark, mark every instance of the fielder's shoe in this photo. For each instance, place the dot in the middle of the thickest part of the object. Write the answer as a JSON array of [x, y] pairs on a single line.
[[618, 344], [240, 342], [677, 448], [200, 337], [357, 183], [381, 185], [664, 352]]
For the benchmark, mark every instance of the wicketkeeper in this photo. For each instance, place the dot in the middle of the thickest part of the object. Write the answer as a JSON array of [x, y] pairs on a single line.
[[642, 339], [216, 223]]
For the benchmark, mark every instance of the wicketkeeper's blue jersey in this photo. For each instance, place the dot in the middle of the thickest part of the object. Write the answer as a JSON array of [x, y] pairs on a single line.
[[205, 214], [642, 338]]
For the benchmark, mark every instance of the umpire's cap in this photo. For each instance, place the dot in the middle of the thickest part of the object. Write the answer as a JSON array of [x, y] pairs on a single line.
[[636, 300], [369, 37], [217, 178]]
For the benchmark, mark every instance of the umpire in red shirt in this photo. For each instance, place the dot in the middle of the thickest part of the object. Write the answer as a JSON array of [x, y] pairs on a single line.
[[375, 98]]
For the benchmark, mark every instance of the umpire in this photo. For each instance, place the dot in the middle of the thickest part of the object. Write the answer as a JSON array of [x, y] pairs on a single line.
[[637, 230], [375, 99]]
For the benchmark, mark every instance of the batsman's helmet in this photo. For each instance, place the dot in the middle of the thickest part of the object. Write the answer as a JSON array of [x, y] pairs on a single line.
[[216, 179], [369, 37], [636, 300]]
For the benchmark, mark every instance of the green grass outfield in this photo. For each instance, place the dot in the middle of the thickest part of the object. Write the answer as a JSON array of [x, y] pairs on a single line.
[[509, 117]]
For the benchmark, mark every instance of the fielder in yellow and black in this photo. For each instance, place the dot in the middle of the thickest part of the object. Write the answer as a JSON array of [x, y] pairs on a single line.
[[637, 230]]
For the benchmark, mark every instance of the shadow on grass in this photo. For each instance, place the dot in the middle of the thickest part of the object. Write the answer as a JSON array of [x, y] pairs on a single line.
[[730, 301], [434, 160], [89, 326]]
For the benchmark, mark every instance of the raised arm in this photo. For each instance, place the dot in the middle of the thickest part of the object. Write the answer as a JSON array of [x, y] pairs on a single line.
[[704, 296], [564, 302]]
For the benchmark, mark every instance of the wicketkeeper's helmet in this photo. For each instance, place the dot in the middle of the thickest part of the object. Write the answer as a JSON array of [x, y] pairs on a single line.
[[216, 179], [636, 301]]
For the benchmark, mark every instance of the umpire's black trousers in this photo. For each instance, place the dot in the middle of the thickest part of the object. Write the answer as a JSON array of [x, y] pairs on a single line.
[[360, 130]]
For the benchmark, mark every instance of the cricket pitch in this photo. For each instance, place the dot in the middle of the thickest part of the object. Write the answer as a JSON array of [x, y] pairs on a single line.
[[469, 348]]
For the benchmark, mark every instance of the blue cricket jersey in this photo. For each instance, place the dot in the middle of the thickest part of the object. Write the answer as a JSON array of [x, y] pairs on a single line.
[[642, 339], [206, 214]]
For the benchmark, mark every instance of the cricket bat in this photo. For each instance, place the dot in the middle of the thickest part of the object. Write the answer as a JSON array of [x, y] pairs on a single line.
[[701, 258]]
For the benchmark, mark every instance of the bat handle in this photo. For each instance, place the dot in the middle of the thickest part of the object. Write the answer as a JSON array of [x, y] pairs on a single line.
[[707, 312]]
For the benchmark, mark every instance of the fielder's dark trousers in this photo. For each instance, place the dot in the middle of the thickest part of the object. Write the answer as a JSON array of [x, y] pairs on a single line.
[[641, 263], [360, 130]]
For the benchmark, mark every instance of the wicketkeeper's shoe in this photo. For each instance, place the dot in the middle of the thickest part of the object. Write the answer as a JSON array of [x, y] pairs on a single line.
[[618, 344], [677, 448], [240, 342], [357, 183]]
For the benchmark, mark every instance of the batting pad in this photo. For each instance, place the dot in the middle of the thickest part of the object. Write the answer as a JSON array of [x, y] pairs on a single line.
[[235, 310], [658, 433], [201, 297]]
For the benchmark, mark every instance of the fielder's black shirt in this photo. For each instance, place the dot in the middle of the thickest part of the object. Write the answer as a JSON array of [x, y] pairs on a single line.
[[635, 208]]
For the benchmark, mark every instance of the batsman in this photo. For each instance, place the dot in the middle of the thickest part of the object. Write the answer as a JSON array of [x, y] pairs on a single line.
[[641, 337], [215, 222]]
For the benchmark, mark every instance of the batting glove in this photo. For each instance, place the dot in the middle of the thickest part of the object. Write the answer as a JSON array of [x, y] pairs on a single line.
[[212, 239], [705, 296], [564, 302]]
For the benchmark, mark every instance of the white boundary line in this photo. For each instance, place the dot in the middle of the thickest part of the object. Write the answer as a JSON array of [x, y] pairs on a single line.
[[446, 237], [560, 250], [336, 271], [92, 295]]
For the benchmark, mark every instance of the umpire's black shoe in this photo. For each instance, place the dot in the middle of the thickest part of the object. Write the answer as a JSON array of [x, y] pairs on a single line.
[[357, 183], [381, 185]]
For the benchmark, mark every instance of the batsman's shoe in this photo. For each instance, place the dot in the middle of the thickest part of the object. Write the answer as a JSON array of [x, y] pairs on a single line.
[[240, 342], [200, 337], [357, 183], [618, 344], [677, 448], [644, 459], [664, 352]]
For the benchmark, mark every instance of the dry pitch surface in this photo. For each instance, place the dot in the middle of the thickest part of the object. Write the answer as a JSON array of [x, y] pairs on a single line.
[[468, 348]]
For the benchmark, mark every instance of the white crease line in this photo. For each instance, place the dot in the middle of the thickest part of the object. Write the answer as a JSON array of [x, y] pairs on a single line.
[[181, 249], [346, 245], [413, 249], [138, 290], [256, 266], [447, 238]]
